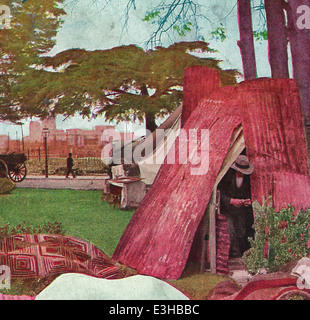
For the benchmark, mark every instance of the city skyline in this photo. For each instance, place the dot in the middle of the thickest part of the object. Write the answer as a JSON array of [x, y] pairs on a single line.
[[83, 143]]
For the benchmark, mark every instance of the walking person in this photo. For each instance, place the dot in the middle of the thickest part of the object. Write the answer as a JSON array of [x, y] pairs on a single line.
[[70, 166]]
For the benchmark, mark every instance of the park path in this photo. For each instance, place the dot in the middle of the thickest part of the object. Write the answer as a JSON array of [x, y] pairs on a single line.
[[59, 182]]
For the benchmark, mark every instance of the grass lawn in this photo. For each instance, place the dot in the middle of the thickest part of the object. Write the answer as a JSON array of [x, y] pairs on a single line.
[[82, 214]]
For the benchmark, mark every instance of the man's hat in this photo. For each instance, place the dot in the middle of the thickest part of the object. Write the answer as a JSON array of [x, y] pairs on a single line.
[[243, 165]]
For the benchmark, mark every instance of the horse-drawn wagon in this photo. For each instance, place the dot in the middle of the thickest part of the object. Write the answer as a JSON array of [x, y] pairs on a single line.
[[13, 166]]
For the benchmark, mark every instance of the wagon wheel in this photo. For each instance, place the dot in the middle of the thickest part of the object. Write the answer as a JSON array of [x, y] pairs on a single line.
[[3, 169], [18, 173]]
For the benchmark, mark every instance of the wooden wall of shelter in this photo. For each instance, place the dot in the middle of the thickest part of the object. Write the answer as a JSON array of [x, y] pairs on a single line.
[[275, 140], [204, 84], [158, 240]]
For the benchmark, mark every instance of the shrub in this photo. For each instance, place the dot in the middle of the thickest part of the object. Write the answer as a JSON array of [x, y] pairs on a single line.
[[49, 228], [280, 237], [57, 166], [6, 186]]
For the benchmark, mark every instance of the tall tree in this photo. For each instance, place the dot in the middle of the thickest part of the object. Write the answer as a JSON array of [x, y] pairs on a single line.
[[33, 27], [120, 83], [246, 43], [299, 36], [277, 38]]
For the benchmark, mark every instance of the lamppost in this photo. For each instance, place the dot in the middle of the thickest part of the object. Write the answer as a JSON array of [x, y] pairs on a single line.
[[45, 134]]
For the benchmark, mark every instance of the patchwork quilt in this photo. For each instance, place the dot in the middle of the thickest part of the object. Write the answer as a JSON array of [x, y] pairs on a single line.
[[42, 255]]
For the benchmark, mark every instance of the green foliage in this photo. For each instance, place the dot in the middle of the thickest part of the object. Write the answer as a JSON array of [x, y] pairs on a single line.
[[185, 16], [150, 16], [6, 186], [118, 82], [261, 35], [34, 25], [183, 29], [49, 228], [280, 237], [219, 33], [58, 166]]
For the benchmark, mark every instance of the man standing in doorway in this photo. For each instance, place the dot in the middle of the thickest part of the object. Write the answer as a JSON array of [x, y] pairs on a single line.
[[70, 166], [236, 205]]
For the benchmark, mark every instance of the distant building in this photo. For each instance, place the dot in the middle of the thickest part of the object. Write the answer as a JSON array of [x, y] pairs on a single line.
[[82, 143], [4, 142]]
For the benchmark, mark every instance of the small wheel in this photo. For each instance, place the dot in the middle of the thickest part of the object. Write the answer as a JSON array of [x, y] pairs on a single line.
[[3, 169], [18, 174]]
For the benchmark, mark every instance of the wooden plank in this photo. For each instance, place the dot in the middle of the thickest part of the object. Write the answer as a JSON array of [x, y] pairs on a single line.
[[205, 233], [291, 188], [274, 134], [212, 232], [158, 239], [124, 180], [206, 80]]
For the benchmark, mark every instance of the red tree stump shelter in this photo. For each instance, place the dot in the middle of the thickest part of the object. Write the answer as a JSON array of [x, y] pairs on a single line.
[[159, 238]]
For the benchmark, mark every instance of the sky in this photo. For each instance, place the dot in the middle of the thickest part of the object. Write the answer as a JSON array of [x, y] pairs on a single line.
[[91, 25]]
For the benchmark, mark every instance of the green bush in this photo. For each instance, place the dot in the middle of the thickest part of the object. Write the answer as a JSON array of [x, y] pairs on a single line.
[[6, 186], [49, 228], [57, 166], [280, 237]]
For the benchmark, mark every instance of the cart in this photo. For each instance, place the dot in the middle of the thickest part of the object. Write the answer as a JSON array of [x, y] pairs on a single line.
[[13, 166]]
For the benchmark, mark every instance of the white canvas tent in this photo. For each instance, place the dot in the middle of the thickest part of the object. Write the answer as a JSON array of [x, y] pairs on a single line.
[[160, 141], [148, 153]]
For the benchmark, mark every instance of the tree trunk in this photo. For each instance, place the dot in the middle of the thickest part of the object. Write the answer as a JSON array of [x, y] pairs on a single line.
[[277, 38], [300, 48], [150, 119], [150, 123], [246, 43]]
